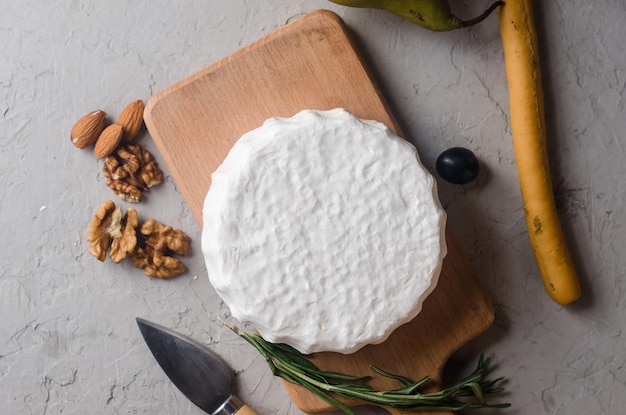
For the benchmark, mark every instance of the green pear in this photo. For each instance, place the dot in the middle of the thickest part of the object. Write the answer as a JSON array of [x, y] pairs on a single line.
[[434, 15]]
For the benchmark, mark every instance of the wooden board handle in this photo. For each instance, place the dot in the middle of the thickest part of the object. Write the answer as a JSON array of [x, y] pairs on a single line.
[[245, 410]]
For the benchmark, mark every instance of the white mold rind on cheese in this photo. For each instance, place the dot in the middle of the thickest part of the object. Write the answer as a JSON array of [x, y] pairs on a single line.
[[323, 231]]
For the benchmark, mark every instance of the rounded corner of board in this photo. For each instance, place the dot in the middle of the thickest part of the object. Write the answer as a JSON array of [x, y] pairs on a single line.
[[150, 104], [328, 16], [153, 102]]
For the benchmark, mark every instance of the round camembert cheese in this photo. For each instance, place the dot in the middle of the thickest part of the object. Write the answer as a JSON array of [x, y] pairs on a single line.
[[323, 231]]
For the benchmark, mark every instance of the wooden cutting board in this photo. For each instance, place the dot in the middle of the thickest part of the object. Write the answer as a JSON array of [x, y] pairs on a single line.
[[310, 63]]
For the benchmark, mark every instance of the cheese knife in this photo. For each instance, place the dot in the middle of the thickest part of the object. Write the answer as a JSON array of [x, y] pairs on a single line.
[[196, 371]]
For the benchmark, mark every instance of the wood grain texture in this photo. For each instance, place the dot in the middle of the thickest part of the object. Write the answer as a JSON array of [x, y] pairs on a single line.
[[246, 410], [310, 63]]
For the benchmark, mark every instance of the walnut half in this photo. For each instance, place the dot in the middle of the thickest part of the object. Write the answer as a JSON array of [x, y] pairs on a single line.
[[152, 248], [130, 171], [156, 246], [112, 231]]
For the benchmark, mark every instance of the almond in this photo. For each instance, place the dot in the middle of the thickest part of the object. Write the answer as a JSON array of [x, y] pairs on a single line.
[[87, 130], [131, 119], [109, 139]]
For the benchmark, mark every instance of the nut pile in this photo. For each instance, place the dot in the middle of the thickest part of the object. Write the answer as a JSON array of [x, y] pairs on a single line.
[[151, 246], [130, 170]]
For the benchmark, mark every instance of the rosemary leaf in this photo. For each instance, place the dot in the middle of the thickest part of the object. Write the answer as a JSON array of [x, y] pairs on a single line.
[[344, 377], [286, 362], [406, 381], [330, 399]]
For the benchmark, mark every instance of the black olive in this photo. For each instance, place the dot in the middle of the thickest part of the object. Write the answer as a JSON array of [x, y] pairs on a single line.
[[457, 165]]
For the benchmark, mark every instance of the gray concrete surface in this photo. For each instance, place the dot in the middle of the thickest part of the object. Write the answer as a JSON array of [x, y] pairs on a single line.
[[68, 341]]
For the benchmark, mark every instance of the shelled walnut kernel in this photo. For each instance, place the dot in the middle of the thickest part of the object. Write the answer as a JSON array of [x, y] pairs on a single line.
[[112, 231], [130, 171], [152, 249], [156, 246]]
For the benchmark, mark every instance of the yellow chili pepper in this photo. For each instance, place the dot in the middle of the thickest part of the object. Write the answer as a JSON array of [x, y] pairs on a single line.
[[521, 59]]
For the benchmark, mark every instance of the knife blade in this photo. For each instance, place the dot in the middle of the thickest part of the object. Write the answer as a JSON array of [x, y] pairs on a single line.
[[194, 369]]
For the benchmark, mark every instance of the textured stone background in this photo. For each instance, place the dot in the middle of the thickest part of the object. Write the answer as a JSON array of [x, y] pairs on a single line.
[[68, 340]]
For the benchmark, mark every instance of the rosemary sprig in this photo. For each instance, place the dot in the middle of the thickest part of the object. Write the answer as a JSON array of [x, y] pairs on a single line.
[[295, 367]]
